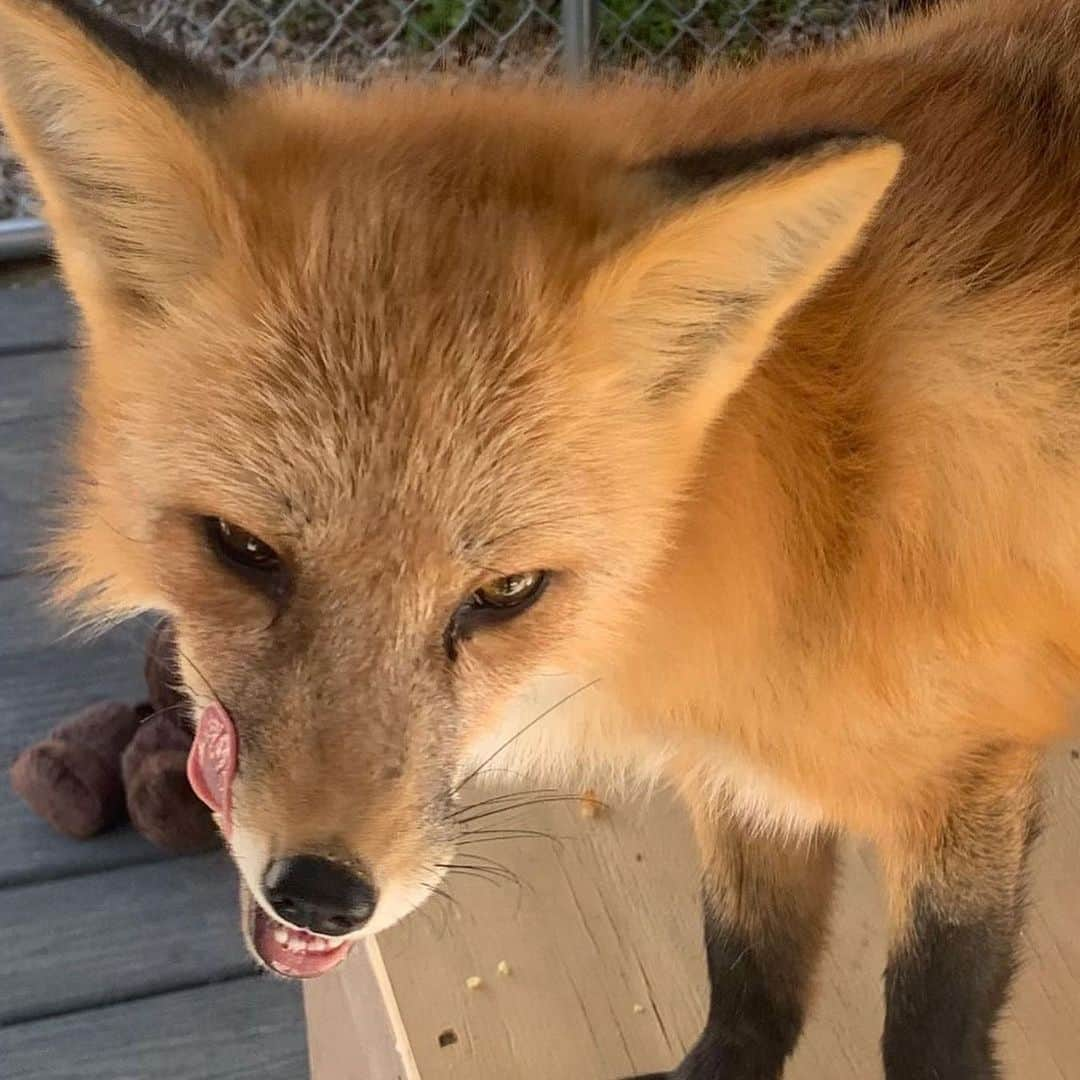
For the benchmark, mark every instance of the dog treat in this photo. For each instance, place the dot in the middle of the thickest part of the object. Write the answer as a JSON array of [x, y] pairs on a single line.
[[72, 779], [113, 760], [160, 801], [591, 806], [503, 968], [474, 982]]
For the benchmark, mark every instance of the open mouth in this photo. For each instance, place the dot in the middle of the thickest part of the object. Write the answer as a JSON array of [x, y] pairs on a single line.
[[287, 950]]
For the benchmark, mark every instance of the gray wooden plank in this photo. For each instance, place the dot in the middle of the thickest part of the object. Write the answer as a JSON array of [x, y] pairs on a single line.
[[45, 676], [27, 623], [246, 1029], [31, 467], [44, 680], [40, 687], [36, 384], [30, 851], [35, 316], [104, 938]]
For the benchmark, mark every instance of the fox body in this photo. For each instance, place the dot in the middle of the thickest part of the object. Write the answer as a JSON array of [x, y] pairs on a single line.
[[724, 435]]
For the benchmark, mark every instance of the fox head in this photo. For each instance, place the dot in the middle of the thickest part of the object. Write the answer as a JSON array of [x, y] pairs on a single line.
[[389, 399]]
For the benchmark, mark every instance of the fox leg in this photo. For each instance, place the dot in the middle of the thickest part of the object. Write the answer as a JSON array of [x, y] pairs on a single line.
[[766, 900], [956, 906]]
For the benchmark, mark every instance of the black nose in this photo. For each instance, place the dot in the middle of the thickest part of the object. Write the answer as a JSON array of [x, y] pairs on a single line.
[[321, 895]]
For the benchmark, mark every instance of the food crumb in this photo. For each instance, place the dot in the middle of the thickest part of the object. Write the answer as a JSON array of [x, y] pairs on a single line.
[[474, 982], [503, 968], [638, 1008], [591, 806]]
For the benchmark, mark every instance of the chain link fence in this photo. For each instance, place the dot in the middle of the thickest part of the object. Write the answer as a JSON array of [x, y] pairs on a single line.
[[360, 38]]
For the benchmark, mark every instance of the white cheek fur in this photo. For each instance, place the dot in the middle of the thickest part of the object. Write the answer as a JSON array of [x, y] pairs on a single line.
[[586, 738]]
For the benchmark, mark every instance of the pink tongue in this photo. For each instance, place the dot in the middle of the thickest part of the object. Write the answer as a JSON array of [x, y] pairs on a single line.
[[212, 762]]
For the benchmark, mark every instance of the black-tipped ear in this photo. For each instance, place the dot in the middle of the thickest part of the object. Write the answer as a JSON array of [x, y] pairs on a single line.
[[748, 232], [172, 73], [694, 172], [117, 133]]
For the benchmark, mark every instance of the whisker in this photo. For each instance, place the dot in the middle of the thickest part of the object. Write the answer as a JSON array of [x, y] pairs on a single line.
[[519, 806], [496, 769], [508, 831], [532, 723], [179, 706], [502, 798], [495, 872], [488, 836], [436, 891], [443, 894], [476, 874], [210, 685], [494, 862]]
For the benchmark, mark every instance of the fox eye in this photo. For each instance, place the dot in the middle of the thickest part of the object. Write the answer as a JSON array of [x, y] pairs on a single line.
[[510, 592], [499, 600], [244, 552]]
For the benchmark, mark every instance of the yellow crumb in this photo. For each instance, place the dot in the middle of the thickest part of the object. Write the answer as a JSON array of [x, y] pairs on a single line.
[[474, 982], [503, 968], [638, 1008]]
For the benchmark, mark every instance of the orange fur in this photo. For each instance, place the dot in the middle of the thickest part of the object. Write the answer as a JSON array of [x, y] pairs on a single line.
[[415, 336]]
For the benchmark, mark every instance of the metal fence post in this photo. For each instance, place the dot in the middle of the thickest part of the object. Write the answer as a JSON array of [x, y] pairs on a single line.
[[578, 30]]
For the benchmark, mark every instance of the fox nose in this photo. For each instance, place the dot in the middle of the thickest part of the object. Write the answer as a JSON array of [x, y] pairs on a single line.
[[318, 894]]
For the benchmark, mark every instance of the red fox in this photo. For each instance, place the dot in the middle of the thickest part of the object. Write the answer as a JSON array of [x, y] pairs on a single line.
[[724, 434]]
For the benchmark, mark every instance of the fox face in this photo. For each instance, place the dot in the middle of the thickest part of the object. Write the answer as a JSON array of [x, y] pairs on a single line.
[[391, 401]]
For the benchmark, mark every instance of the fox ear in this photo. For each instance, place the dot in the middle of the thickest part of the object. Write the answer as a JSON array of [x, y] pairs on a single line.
[[112, 127], [690, 304]]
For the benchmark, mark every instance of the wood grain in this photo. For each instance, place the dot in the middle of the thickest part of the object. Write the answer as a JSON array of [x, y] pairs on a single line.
[[607, 972], [43, 679], [35, 317], [246, 1029], [82, 942]]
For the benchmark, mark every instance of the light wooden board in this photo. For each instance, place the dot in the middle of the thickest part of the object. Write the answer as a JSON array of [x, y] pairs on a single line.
[[245, 1029], [607, 969], [101, 938], [351, 1001]]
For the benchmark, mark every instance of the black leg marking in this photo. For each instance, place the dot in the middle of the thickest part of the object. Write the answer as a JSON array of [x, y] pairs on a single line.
[[754, 1018], [766, 908], [957, 933], [945, 990]]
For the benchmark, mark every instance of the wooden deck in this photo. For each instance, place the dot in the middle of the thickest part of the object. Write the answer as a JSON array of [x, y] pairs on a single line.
[[119, 963], [607, 970]]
